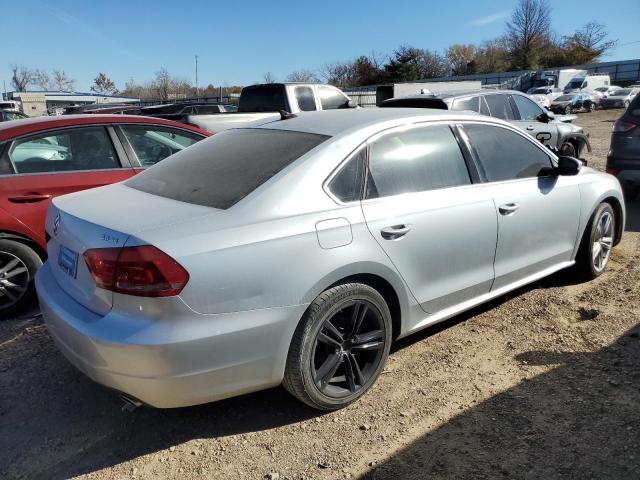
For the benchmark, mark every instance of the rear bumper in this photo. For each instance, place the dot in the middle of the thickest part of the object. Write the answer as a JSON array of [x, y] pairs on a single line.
[[184, 360]]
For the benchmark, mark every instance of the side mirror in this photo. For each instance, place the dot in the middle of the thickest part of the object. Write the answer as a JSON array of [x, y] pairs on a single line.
[[351, 104], [569, 166], [544, 117]]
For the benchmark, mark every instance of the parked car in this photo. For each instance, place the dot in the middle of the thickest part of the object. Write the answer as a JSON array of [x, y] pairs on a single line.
[[623, 159], [515, 107], [620, 98], [262, 103], [41, 158], [190, 114], [573, 102], [7, 115], [603, 91], [298, 251]]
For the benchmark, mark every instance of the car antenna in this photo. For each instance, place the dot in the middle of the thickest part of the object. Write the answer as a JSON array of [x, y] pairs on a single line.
[[284, 115]]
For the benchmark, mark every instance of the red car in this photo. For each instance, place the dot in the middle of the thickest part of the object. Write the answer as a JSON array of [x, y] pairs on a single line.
[[41, 158]]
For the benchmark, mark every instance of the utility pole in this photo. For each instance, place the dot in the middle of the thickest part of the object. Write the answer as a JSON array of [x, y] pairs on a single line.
[[197, 91]]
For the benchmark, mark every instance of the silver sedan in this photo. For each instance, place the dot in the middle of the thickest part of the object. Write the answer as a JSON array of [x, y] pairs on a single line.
[[298, 251]]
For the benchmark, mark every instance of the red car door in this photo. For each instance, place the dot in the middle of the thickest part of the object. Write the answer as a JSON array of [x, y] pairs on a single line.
[[54, 163]]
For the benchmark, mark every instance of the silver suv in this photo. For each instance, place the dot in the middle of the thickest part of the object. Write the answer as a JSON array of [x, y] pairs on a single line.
[[513, 106]]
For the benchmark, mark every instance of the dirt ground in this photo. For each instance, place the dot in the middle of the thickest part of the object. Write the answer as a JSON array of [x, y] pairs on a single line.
[[544, 383]]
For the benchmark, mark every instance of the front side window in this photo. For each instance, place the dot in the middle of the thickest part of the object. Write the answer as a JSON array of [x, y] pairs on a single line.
[[346, 185], [504, 154], [304, 97], [222, 170], [86, 148], [331, 98], [472, 104], [152, 144], [528, 109], [420, 159], [499, 106]]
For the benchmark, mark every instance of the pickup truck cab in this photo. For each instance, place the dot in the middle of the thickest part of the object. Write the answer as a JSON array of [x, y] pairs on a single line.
[[262, 103]]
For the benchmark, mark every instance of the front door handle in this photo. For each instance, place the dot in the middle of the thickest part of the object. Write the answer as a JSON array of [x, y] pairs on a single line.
[[395, 232], [30, 198], [508, 208]]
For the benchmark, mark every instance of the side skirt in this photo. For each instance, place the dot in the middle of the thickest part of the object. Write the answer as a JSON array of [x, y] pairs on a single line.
[[469, 304]]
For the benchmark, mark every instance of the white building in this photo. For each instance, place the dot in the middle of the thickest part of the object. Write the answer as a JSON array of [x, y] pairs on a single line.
[[38, 103]]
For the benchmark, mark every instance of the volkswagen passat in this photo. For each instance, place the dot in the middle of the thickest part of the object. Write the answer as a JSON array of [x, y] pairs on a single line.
[[298, 251]]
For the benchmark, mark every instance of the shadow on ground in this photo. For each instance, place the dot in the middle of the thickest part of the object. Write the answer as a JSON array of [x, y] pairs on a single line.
[[524, 432], [633, 216]]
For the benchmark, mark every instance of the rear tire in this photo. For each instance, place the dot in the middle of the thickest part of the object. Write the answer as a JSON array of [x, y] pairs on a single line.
[[18, 265], [568, 149], [339, 347], [567, 110], [592, 107], [597, 242]]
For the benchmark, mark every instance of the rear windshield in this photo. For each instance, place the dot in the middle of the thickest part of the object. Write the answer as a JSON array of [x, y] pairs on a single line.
[[262, 98], [415, 103], [221, 171]]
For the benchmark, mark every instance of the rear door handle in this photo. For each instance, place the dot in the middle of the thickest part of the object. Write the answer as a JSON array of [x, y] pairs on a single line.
[[508, 208], [395, 232], [30, 198]]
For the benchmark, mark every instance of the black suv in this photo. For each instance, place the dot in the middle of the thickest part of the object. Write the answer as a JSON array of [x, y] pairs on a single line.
[[623, 159]]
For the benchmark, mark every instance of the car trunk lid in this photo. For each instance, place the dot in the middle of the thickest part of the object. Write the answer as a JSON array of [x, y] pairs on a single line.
[[81, 221]]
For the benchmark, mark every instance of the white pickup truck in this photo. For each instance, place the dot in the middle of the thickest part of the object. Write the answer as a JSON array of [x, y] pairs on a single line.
[[262, 103]]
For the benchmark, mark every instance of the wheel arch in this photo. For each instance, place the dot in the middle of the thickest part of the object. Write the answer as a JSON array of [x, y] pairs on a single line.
[[9, 235], [380, 277]]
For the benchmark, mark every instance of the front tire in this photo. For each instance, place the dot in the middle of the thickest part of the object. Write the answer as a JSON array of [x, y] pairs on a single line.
[[339, 348], [18, 265], [597, 242], [567, 110]]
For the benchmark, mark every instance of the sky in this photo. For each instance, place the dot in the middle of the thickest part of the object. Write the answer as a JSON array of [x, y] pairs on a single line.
[[238, 42]]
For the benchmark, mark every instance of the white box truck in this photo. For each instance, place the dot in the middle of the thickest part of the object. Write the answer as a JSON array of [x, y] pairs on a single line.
[[588, 83]]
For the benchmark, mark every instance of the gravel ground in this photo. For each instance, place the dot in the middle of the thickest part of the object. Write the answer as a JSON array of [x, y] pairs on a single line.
[[543, 383]]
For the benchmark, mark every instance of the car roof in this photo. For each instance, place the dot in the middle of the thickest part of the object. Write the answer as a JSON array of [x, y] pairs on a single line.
[[16, 128], [335, 122]]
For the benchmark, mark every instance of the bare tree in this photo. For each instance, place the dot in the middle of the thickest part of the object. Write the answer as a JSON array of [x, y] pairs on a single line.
[[305, 76], [527, 31], [21, 77], [269, 78], [162, 84], [337, 73], [592, 39], [103, 84], [41, 79], [62, 82]]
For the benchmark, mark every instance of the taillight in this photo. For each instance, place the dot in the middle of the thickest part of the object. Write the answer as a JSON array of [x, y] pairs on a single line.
[[611, 171], [143, 271], [622, 126]]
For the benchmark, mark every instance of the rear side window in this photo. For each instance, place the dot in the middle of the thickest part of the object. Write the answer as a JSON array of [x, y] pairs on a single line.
[[304, 97], [506, 155], [153, 143], [346, 185], [76, 149], [499, 106], [527, 108], [332, 99], [472, 104], [417, 160], [222, 170], [262, 98]]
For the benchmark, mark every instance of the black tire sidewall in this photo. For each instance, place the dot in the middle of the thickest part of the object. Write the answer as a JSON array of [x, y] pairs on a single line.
[[300, 366], [33, 262]]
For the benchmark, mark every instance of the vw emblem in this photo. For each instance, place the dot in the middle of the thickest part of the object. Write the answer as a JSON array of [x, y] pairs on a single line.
[[56, 224]]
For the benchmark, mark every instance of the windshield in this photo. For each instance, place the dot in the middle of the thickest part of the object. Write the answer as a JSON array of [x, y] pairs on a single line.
[[576, 83], [565, 98], [221, 171]]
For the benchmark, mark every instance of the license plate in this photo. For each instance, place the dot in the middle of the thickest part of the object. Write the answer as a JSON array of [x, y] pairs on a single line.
[[68, 261]]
